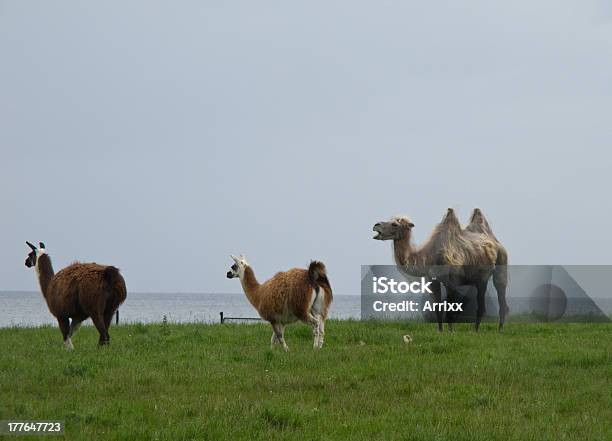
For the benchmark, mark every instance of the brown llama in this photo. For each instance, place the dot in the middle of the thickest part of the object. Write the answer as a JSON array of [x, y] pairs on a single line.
[[297, 294], [452, 256], [77, 292]]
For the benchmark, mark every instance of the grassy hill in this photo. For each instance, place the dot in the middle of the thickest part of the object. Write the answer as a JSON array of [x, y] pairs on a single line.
[[214, 382]]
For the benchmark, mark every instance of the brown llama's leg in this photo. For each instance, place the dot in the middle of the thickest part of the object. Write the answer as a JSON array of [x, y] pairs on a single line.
[[279, 331], [109, 312], [64, 326], [481, 305], [436, 294], [500, 280], [98, 321], [108, 319], [75, 324]]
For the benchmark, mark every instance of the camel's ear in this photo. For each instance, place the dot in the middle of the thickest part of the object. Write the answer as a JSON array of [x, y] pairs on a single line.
[[31, 246]]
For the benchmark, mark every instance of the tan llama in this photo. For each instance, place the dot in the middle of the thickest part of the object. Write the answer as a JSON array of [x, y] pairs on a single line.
[[297, 294]]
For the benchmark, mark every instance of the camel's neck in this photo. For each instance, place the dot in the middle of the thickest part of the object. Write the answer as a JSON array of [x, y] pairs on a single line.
[[402, 250], [44, 268], [407, 256], [250, 286]]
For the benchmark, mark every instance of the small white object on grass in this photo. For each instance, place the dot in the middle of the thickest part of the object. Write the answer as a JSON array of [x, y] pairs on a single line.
[[407, 339]]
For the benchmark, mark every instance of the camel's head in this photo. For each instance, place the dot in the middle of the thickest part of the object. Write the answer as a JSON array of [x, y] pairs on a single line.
[[394, 229], [237, 269], [33, 256]]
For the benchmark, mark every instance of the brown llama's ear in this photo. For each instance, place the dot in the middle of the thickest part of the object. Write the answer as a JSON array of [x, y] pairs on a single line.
[[41, 245], [31, 246]]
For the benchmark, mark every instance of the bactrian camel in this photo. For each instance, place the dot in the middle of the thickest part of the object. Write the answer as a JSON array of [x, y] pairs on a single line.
[[452, 256]]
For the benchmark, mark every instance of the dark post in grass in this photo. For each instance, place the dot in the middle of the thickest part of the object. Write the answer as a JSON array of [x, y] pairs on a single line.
[[117, 317]]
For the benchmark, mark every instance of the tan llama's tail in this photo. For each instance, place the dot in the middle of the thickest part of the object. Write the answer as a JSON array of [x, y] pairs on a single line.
[[317, 275]]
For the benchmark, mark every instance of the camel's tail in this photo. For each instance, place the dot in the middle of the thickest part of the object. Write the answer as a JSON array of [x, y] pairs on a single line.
[[500, 274]]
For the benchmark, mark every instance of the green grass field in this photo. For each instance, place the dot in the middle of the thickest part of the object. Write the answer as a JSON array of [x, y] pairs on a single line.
[[214, 382]]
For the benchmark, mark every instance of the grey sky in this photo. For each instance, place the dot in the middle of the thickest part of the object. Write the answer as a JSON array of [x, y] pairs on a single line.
[[160, 137]]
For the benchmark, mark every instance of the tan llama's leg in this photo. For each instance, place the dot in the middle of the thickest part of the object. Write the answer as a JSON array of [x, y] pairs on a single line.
[[321, 331], [316, 329], [273, 340], [279, 331], [315, 334]]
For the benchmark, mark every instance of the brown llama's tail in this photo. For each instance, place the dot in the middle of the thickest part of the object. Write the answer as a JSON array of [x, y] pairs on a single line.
[[116, 283], [317, 275]]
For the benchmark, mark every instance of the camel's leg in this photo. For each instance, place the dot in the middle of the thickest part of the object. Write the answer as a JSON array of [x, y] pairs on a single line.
[[98, 320], [500, 280], [64, 325], [481, 307], [436, 293], [451, 297], [279, 331]]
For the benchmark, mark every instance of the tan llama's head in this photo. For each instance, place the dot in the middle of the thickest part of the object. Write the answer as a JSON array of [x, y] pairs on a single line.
[[395, 228], [237, 269]]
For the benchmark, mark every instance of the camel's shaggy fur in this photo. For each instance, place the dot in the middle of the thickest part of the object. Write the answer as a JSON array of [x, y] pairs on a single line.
[[453, 256], [77, 292], [297, 294]]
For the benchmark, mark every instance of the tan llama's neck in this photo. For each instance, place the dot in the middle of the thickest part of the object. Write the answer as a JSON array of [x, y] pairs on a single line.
[[250, 286], [45, 272]]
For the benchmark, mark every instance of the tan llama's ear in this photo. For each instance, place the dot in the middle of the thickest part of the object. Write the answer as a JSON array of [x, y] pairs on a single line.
[[234, 258]]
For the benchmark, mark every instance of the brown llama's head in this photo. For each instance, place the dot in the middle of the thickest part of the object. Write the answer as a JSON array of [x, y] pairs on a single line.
[[396, 228], [237, 269], [33, 256]]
